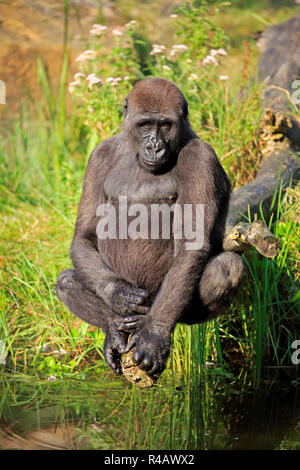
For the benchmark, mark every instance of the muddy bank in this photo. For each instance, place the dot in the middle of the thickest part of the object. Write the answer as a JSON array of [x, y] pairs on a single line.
[[32, 29]]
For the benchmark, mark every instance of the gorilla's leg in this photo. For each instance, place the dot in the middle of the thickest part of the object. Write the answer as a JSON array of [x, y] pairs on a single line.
[[220, 282], [83, 303], [91, 309]]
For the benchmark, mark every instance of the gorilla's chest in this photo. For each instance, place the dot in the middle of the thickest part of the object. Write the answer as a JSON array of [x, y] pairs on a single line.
[[139, 185], [137, 251]]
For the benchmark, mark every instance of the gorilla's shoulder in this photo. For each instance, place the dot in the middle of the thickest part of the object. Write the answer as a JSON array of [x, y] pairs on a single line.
[[196, 152], [107, 146]]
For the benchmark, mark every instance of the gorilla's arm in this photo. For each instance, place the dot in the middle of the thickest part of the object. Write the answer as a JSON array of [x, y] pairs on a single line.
[[93, 272], [201, 180]]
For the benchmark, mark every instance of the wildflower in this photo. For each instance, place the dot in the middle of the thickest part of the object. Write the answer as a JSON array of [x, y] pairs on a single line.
[[79, 75], [193, 76], [117, 32], [221, 51], [93, 80], [72, 86], [52, 378], [213, 52], [98, 29], [178, 48], [86, 56], [131, 23], [166, 67], [157, 49], [126, 77], [209, 60], [173, 15], [223, 77], [113, 81]]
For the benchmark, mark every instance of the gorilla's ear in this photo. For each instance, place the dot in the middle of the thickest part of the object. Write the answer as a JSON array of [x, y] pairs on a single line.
[[125, 107]]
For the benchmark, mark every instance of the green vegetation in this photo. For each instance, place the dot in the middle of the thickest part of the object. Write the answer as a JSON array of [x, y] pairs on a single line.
[[43, 154]]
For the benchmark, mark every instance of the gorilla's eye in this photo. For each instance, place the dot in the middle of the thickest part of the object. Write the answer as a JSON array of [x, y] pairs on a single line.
[[146, 124], [166, 126]]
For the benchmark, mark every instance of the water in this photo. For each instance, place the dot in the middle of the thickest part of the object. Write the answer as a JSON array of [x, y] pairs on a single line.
[[109, 413]]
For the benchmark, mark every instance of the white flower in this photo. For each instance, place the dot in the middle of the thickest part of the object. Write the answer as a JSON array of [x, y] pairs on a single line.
[[173, 15], [93, 80], [213, 52], [209, 60], [221, 51], [126, 77], [52, 378], [113, 81], [79, 75], [117, 32], [131, 23], [193, 76], [72, 86], [166, 67], [157, 49], [223, 77], [86, 56], [178, 48], [98, 29]]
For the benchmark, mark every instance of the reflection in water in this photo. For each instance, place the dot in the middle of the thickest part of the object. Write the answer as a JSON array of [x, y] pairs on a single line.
[[213, 413]]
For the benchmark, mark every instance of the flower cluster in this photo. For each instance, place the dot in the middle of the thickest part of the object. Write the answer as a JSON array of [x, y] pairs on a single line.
[[117, 32], [211, 58], [93, 80], [157, 49], [114, 81], [86, 56], [73, 85], [98, 29], [178, 48]]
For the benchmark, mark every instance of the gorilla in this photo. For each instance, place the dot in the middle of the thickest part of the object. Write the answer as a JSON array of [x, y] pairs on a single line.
[[142, 286]]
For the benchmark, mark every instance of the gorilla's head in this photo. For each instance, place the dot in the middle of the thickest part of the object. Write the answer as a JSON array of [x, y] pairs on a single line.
[[156, 122]]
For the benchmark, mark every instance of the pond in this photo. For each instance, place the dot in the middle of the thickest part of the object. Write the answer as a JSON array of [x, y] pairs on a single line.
[[215, 412]]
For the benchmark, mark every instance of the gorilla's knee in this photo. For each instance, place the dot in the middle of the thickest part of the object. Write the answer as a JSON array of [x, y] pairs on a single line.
[[222, 277], [65, 282], [233, 267]]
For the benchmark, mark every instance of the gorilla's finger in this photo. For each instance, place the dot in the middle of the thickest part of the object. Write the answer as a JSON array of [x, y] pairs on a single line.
[[113, 360], [147, 363], [109, 357], [120, 344], [138, 355], [128, 327], [131, 344], [156, 369], [139, 309]]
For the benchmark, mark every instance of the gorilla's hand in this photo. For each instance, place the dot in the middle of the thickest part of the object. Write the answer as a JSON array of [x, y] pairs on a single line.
[[127, 300], [114, 346], [152, 348]]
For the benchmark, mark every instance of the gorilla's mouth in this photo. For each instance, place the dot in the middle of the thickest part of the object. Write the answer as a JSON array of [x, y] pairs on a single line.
[[153, 158]]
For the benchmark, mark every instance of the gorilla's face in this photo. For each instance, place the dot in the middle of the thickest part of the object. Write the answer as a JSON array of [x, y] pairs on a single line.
[[154, 136], [156, 123]]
